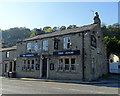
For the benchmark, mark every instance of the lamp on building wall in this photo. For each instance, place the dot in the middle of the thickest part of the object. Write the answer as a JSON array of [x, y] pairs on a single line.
[[70, 44]]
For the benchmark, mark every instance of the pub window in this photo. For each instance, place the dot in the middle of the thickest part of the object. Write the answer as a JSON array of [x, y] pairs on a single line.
[[45, 45], [29, 46], [37, 46], [32, 66], [32, 47], [24, 61], [56, 43], [60, 66], [93, 41], [67, 42], [28, 61], [73, 67], [67, 64], [28, 64], [7, 54], [24, 67], [32, 61], [37, 67]]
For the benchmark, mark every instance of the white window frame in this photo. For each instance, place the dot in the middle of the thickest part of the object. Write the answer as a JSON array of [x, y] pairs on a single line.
[[73, 64], [7, 54], [67, 65], [60, 64], [37, 47], [70, 64], [45, 45], [29, 46], [67, 40]]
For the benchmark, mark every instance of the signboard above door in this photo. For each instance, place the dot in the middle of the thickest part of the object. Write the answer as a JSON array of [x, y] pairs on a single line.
[[63, 53], [28, 55]]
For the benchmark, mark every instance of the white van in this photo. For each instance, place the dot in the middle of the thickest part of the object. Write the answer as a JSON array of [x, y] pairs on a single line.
[[114, 67]]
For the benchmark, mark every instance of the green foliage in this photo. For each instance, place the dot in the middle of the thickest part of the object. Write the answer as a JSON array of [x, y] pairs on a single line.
[[46, 27], [12, 35], [71, 26], [49, 30], [34, 33], [55, 28], [113, 44], [111, 35], [111, 31], [62, 28]]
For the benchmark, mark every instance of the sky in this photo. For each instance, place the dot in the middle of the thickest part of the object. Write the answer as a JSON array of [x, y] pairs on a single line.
[[40, 14]]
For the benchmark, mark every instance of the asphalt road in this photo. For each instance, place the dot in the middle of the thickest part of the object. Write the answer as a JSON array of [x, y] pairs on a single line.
[[13, 86]]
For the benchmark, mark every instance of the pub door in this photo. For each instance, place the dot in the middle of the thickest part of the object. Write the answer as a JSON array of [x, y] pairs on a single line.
[[44, 68]]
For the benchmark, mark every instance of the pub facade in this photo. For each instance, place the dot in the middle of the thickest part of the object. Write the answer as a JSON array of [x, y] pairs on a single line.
[[71, 54]]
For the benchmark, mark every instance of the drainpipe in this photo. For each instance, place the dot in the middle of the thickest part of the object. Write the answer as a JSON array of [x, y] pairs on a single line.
[[83, 74]]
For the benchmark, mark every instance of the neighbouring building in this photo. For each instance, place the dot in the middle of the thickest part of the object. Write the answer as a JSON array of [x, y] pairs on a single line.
[[72, 54], [8, 60]]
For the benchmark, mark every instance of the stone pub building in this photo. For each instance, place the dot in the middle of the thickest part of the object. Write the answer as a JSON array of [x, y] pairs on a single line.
[[71, 54]]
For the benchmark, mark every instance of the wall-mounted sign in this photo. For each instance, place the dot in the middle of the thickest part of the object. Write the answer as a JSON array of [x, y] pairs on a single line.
[[28, 55], [51, 66], [71, 52]]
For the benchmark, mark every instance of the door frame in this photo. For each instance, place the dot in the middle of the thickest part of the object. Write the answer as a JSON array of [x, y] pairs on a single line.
[[43, 69]]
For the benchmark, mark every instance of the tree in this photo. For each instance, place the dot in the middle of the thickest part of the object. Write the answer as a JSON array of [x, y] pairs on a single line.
[[55, 28], [113, 45], [49, 30], [15, 34], [62, 28], [71, 26], [45, 28], [34, 33]]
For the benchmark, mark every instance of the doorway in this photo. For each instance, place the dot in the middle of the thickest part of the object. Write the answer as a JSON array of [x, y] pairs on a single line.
[[44, 67]]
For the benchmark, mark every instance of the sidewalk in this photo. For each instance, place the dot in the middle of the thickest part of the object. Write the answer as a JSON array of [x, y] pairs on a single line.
[[104, 80]]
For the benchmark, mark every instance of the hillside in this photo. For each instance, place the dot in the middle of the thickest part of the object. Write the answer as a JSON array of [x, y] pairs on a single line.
[[12, 35]]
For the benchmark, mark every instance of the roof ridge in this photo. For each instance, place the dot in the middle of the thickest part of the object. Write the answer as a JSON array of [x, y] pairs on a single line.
[[63, 32]]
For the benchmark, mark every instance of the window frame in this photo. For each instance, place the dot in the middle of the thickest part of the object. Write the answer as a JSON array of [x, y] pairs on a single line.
[[7, 54], [67, 42], [61, 65], [69, 64], [45, 45], [73, 64]]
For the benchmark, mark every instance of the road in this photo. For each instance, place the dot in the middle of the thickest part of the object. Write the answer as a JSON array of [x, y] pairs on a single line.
[[16, 86]]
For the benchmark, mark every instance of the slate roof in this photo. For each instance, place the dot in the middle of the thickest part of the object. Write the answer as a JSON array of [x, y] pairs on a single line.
[[8, 49], [64, 32]]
